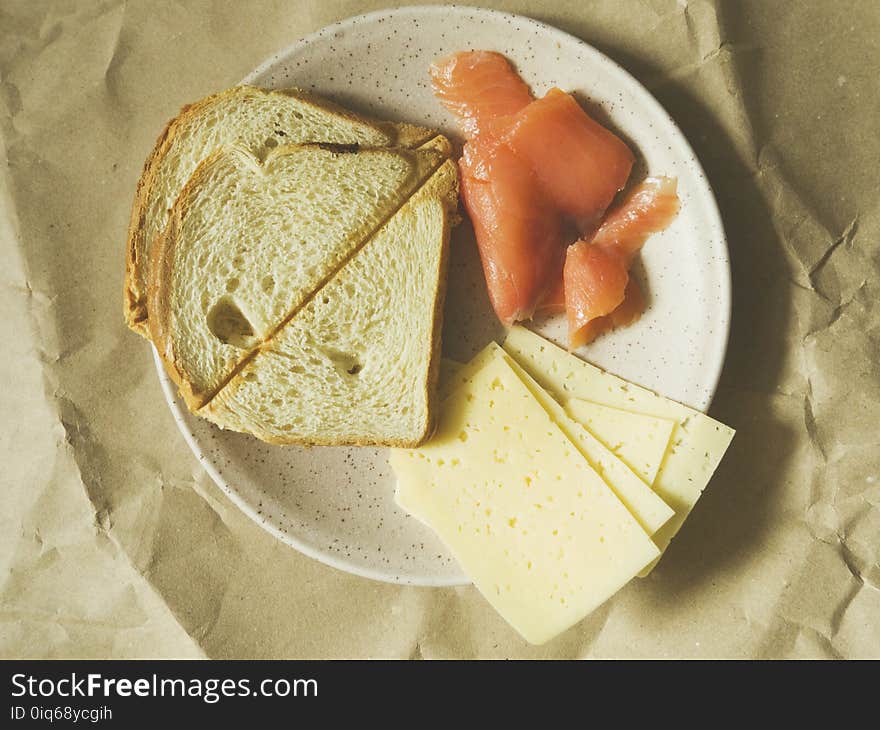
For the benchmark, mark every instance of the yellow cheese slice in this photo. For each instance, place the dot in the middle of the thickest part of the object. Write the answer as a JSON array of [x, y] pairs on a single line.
[[650, 511], [697, 443], [460, 373], [643, 503], [538, 531], [640, 441]]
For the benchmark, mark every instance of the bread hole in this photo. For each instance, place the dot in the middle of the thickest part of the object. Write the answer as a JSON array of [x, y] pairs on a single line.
[[229, 325], [232, 284], [267, 284], [345, 361], [270, 142], [238, 261]]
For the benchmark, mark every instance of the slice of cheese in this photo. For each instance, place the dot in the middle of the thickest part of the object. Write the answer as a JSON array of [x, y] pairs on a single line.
[[459, 374], [644, 504], [539, 532], [638, 440], [697, 443]]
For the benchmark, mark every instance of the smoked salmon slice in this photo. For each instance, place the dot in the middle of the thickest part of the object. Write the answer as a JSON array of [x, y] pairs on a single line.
[[553, 301], [480, 88], [521, 247], [578, 162], [627, 312], [599, 293], [649, 208], [537, 174]]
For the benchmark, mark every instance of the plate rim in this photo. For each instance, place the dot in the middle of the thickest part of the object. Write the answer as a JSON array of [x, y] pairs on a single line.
[[714, 213]]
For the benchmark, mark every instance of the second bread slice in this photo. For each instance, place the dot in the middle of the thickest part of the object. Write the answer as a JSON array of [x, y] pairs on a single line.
[[357, 364]]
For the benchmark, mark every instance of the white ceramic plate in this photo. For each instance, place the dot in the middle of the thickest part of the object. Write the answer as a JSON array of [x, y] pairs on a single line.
[[337, 504]]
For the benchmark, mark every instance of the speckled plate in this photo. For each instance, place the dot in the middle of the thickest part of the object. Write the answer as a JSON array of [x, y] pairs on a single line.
[[337, 504]]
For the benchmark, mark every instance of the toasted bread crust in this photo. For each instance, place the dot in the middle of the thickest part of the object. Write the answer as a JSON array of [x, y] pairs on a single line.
[[159, 324], [450, 219], [135, 300]]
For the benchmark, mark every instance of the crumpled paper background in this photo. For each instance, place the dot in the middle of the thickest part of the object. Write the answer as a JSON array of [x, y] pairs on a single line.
[[114, 542]]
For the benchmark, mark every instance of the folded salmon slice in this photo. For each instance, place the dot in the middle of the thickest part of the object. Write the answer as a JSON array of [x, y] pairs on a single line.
[[599, 293], [535, 174], [521, 247]]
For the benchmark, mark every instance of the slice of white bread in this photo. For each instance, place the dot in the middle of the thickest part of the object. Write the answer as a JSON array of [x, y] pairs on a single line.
[[253, 118], [249, 242], [358, 363]]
